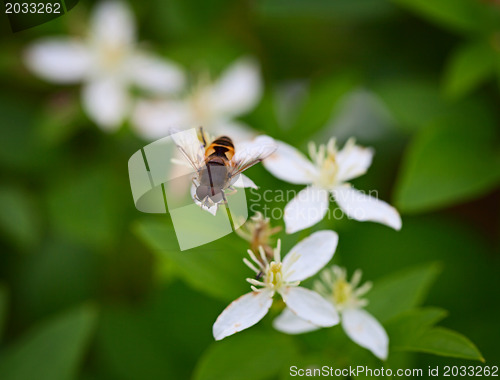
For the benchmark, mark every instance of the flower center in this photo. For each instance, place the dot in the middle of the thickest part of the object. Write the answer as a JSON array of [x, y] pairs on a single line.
[[270, 274], [342, 292], [325, 158], [111, 56], [274, 275], [328, 173]]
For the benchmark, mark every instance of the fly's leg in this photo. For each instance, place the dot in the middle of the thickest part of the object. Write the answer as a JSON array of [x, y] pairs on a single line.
[[224, 199], [233, 190]]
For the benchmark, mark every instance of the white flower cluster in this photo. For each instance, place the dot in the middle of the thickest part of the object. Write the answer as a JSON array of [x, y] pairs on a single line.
[[334, 299], [108, 63]]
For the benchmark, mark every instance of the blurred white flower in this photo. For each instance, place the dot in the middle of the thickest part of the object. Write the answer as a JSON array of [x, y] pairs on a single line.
[[327, 173], [357, 323], [304, 260], [211, 104], [107, 62]]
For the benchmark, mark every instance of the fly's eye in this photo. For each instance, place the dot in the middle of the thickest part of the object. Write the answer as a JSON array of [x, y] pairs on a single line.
[[213, 193], [202, 192]]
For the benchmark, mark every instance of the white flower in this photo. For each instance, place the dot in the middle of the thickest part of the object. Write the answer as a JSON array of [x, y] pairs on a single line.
[[357, 323], [328, 173], [304, 260], [213, 105], [107, 62]]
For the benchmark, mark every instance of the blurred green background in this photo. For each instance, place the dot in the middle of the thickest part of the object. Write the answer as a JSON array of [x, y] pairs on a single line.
[[84, 294]]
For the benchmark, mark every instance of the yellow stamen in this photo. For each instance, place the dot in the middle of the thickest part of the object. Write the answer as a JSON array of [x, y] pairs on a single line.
[[342, 292]]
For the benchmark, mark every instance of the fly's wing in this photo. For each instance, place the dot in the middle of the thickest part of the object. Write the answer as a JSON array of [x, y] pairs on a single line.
[[250, 153], [191, 147]]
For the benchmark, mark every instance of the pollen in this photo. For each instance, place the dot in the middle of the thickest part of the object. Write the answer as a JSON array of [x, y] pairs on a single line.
[[111, 56], [328, 172], [325, 158], [274, 275], [342, 292], [271, 275], [275, 267]]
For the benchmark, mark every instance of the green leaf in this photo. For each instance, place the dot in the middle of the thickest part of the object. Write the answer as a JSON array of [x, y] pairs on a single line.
[[131, 347], [3, 308], [414, 331], [19, 220], [216, 269], [468, 67], [84, 205], [466, 256], [409, 325], [52, 351], [59, 120], [401, 291], [18, 145], [444, 342], [339, 10], [452, 160], [412, 102], [184, 17], [246, 356], [459, 15], [56, 265], [162, 338]]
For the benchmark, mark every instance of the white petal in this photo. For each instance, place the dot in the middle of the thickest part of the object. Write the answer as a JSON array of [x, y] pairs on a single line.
[[112, 24], [60, 60], [290, 165], [106, 101], [239, 88], [244, 181], [362, 207], [366, 331], [289, 323], [310, 255], [305, 210], [154, 119], [155, 74], [310, 306], [242, 313], [353, 161]]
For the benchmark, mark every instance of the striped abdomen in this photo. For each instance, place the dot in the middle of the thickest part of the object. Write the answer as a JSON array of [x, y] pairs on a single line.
[[220, 151]]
